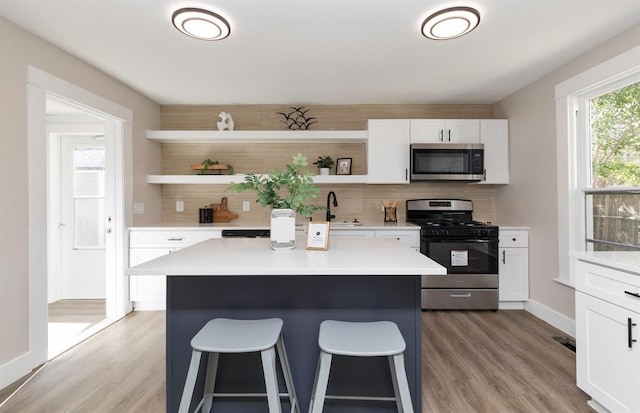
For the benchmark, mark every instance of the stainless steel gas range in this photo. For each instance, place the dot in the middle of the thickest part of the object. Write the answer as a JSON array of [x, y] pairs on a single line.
[[467, 248]]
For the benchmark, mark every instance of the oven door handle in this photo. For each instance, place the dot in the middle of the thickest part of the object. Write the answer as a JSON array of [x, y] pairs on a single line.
[[460, 295]]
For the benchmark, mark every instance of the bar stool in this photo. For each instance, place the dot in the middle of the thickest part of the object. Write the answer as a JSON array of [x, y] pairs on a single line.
[[223, 335], [361, 339]]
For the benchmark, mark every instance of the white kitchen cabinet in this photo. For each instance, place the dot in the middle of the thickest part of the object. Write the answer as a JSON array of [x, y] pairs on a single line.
[[445, 131], [351, 233], [410, 237], [388, 151], [513, 267], [494, 134], [607, 322], [148, 292]]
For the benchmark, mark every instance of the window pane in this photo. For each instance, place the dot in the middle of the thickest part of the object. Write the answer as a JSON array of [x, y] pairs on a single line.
[[615, 138], [89, 224], [615, 224]]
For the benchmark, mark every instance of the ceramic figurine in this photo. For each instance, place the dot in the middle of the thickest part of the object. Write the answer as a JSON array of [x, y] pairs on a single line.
[[227, 121]]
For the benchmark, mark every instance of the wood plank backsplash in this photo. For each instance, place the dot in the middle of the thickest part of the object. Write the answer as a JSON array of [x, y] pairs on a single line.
[[355, 200]]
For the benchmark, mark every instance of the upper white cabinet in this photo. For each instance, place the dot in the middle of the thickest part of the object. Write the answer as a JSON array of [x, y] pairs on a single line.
[[494, 134], [388, 151], [445, 131]]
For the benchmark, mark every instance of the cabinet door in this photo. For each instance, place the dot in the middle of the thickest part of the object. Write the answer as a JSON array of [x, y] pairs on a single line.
[[147, 287], [462, 131], [606, 368], [388, 151], [427, 131], [494, 134], [513, 273]]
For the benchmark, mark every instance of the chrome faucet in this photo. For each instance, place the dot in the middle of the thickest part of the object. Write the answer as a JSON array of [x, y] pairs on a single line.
[[335, 204]]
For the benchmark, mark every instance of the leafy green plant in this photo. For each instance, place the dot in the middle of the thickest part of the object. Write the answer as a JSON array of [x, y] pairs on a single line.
[[324, 162], [289, 188]]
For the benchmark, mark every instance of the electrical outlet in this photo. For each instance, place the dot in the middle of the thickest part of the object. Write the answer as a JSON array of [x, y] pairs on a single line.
[[246, 206], [138, 208], [179, 206]]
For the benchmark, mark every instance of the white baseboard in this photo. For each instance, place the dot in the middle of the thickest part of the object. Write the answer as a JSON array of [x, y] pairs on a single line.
[[15, 369], [149, 305], [511, 305], [548, 315]]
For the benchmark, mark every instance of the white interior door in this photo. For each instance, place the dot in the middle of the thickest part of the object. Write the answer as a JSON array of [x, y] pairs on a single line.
[[83, 217]]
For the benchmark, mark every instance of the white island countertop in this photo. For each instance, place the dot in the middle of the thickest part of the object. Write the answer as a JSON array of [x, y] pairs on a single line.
[[254, 256], [621, 260]]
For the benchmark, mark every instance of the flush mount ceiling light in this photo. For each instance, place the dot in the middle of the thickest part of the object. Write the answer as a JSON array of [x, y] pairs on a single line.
[[450, 23], [201, 24]]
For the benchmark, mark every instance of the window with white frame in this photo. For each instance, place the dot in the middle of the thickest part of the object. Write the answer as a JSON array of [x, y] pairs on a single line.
[[597, 160], [612, 200]]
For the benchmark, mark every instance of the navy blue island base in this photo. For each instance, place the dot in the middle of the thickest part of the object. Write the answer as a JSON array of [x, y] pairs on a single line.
[[303, 302]]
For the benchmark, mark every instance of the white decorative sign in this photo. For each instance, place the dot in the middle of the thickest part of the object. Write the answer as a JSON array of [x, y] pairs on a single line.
[[459, 258], [318, 236]]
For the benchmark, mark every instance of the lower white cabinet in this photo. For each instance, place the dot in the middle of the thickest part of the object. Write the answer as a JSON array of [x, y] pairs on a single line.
[[149, 292], [513, 266], [409, 236], [607, 323]]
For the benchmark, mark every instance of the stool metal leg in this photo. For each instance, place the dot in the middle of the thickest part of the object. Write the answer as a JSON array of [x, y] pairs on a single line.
[[271, 379], [288, 379], [400, 383], [322, 380], [190, 382], [210, 382]]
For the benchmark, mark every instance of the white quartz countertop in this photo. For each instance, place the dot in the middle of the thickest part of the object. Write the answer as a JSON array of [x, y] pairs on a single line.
[[181, 226], [622, 260], [254, 256]]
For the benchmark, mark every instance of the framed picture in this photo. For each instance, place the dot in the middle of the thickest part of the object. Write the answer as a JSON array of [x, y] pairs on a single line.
[[318, 236], [343, 166]]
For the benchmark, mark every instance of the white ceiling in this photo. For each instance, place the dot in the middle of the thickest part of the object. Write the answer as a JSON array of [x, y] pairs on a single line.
[[324, 51]]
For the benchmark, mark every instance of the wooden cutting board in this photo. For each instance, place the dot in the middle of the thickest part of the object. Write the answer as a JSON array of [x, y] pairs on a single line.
[[221, 213]]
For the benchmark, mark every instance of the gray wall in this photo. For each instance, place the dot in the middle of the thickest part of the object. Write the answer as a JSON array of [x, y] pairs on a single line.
[[531, 198], [19, 49]]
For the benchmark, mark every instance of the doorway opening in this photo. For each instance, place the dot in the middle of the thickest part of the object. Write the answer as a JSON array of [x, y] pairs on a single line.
[[77, 271], [80, 110]]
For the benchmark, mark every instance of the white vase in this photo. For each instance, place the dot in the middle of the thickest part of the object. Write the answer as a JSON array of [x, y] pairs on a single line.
[[283, 229], [324, 171]]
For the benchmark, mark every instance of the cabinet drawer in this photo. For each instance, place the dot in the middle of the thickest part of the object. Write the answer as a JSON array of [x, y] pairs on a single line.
[[409, 237], [151, 239], [514, 239], [615, 286]]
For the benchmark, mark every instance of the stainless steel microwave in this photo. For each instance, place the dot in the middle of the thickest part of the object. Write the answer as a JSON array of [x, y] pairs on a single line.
[[447, 162]]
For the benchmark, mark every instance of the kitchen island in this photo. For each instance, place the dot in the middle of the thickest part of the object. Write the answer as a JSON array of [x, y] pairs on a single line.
[[355, 280]]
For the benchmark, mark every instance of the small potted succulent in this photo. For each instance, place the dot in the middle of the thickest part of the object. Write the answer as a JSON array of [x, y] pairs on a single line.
[[325, 163]]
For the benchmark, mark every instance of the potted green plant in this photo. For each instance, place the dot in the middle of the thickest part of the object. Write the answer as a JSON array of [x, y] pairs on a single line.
[[286, 192], [325, 163]]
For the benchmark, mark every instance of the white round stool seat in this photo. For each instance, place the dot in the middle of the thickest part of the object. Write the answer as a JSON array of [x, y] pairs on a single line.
[[223, 335], [377, 338]]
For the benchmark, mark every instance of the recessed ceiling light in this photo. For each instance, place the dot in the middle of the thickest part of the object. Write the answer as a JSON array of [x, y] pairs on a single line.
[[201, 24], [450, 23]]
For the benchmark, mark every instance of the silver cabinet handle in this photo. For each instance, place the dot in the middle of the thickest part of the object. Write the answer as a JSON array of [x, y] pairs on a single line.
[[453, 295]]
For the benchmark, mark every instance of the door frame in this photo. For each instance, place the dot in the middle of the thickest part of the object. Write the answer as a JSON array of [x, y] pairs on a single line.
[[118, 124]]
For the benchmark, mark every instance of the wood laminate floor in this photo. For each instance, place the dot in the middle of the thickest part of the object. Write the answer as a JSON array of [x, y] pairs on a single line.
[[471, 362]]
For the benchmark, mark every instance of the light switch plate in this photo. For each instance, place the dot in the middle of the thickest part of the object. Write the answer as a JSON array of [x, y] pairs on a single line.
[[179, 206], [246, 206]]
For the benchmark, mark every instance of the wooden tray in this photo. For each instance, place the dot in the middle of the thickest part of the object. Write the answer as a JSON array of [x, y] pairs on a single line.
[[216, 169], [221, 213]]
